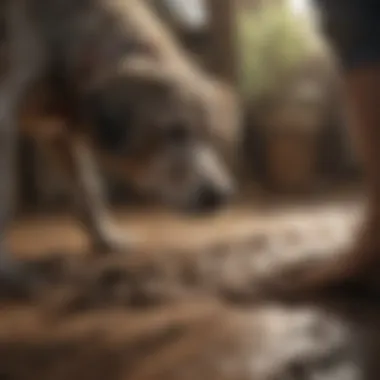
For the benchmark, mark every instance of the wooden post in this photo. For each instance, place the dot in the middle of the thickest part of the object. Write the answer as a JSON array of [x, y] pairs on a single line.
[[223, 39]]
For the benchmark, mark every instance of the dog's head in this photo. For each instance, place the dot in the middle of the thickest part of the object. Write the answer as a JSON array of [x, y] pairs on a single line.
[[157, 131]]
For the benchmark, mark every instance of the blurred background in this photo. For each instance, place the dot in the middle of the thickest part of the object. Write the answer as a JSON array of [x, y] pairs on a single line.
[[294, 145], [295, 162]]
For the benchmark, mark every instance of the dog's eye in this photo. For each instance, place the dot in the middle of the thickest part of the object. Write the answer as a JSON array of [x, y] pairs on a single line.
[[177, 134], [111, 128]]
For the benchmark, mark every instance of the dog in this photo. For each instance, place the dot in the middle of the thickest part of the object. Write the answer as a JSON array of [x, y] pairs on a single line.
[[104, 79]]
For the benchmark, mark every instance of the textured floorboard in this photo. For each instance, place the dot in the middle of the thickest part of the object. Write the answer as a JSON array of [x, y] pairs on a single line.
[[191, 309]]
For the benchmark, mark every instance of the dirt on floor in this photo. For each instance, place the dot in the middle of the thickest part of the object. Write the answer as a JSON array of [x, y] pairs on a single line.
[[187, 302]]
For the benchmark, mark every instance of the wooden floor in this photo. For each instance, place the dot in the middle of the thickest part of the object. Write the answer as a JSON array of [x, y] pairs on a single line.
[[201, 335], [36, 235]]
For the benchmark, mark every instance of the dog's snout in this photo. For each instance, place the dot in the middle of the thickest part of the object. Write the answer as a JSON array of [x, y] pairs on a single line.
[[211, 198]]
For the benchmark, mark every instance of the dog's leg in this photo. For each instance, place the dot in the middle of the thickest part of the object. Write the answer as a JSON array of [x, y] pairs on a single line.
[[75, 160], [22, 50], [13, 278]]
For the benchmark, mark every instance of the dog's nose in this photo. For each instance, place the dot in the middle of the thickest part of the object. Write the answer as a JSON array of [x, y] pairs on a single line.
[[210, 198]]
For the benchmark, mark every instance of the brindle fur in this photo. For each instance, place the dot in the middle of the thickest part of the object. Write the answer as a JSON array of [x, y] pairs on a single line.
[[105, 78]]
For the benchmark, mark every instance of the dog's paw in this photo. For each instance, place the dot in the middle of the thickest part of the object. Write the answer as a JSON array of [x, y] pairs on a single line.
[[112, 243], [17, 280]]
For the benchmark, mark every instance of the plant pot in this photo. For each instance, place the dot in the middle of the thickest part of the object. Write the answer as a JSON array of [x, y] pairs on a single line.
[[291, 158]]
